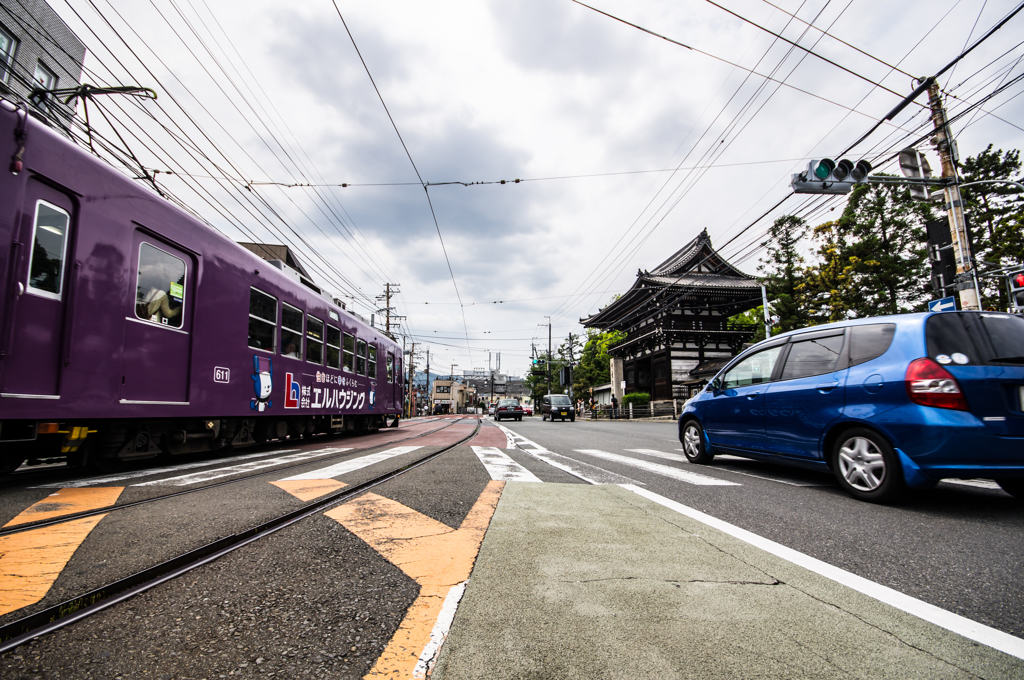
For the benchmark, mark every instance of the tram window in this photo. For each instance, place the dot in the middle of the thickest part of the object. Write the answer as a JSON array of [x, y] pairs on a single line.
[[391, 367], [348, 353], [314, 340], [262, 320], [46, 271], [361, 357], [372, 360], [333, 347], [291, 331], [160, 288]]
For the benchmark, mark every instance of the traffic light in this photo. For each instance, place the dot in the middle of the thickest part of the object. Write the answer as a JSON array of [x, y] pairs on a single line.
[[915, 165], [1016, 281], [826, 176], [941, 258]]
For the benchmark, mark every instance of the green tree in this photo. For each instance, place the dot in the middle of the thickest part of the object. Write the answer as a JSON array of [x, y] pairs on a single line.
[[755, 317], [827, 287], [995, 213], [594, 365], [882, 229], [781, 273]]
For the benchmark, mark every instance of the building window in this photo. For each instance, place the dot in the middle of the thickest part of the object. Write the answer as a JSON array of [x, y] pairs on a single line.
[[45, 79], [262, 320], [291, 331], [333, 347], [8, 45], [46, 269], [314, 340], [160, 288], [350, 352]]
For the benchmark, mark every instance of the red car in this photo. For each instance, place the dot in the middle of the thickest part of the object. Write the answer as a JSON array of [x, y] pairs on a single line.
[[508, 408]]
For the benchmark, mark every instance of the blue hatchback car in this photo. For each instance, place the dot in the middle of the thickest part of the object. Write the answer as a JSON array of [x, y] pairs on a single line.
[[885, 403]]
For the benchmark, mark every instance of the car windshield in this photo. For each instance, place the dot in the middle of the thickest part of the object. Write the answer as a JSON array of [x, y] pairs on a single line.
[[559, 400]]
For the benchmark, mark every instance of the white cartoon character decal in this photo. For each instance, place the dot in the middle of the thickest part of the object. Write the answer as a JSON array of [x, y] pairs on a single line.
[[263, 379], [373, 399]]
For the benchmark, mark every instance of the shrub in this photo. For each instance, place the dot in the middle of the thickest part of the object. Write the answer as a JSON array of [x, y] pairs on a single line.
[[638, 399]]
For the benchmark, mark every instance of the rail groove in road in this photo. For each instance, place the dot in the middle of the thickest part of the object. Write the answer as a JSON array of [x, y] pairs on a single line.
[[73, 610], [21, 527]]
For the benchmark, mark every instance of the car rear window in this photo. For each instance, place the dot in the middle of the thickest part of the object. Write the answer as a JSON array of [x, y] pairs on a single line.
[[869, 342], [1006, 333], [969, 337]]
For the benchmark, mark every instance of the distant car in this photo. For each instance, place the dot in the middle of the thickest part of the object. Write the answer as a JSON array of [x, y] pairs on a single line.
[[527, 409], [508, 408], [883, 403], [557, 406], [490, 410]]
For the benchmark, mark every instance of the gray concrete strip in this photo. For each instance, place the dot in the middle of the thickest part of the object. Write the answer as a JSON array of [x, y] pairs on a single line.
[[576, 581]]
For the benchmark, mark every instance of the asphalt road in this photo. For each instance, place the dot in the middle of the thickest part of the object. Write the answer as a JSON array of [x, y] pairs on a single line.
[[958, 546]]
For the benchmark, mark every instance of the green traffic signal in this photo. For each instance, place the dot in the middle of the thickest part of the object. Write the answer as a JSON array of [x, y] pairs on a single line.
[[824, 168]]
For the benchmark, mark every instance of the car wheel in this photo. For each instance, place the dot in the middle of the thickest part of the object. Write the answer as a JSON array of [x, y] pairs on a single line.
[[1014, 487], [693, 444], [866, 466], [572, 420]]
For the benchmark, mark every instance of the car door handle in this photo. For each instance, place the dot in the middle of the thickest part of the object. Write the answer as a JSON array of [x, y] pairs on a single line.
[[753, 395], [828, 387]]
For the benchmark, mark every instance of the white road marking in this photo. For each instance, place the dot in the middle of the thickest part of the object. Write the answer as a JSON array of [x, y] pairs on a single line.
[[978, 483], [960, 625], [664, 470], [155, 471], [510, 443], [440, 632], [353, 464], [585, 471], [208, 475], [727, 458], [660, 454], [501, 467]]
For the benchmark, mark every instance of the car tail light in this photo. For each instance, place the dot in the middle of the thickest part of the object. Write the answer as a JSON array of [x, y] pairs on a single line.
[[929, 384]]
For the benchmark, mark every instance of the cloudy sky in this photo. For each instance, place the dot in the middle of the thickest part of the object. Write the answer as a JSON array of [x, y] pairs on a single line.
[[628, 145]]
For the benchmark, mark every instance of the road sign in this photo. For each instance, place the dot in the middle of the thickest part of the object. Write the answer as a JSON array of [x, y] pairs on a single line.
[[947, 304]]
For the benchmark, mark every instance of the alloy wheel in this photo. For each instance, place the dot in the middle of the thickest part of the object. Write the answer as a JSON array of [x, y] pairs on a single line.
[[691, 441], [862, 464]]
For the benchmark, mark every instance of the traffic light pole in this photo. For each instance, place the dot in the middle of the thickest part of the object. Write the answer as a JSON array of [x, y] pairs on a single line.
[[967, 280], [549, 355]]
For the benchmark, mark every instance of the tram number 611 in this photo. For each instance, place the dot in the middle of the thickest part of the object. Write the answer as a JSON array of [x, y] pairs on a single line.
[[221, 375]]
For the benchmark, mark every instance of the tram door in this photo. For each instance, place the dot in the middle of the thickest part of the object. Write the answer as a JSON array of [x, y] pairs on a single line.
[[158, 324], [32, 366]]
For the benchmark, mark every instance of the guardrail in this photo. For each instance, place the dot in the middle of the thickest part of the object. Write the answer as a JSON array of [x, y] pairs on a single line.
[[659, 410]]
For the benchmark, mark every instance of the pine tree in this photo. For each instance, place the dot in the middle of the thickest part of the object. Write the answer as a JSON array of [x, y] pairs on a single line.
[[828, 288], [883, 229], [781, 270]]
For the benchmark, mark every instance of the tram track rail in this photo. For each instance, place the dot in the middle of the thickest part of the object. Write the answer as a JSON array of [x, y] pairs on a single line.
[[83, 606], [28, 526]]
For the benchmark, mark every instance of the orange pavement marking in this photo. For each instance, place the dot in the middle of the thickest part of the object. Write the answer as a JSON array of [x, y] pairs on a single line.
[[69, 501], [433, 554], [31, 561], [308, 489]]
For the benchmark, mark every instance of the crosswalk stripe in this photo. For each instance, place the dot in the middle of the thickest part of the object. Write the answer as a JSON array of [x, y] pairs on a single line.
[[769, 478], [660, 454], [153, 471], [664, 470], [501, 467], [577, 468], [354, 464], [208, 475]]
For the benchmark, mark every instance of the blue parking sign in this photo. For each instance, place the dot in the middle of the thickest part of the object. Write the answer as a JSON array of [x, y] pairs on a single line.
[[946, 304]]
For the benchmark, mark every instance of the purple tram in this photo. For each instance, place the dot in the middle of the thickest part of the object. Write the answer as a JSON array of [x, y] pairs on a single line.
[[128, 329]]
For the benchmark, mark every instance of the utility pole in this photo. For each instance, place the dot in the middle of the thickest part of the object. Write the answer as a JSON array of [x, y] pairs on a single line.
[[412, 395], [966, 280], [389, 290], [430, 393], [549, 355], [570, 366]]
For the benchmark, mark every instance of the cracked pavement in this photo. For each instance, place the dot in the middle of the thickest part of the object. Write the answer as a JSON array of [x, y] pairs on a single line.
[[577, 581]]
